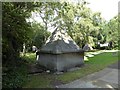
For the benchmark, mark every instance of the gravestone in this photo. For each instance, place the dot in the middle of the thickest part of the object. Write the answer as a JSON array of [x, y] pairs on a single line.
[[87, 47], [60, 52]]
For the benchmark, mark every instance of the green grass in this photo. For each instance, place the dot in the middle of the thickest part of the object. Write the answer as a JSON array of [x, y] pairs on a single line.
[[39, 81], [94, 64], [30, 57]]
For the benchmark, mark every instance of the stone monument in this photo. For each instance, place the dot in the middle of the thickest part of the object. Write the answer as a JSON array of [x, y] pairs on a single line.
[[87, 47], [60, 52]]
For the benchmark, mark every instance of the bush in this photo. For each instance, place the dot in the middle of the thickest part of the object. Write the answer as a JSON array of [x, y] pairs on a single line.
[[15, 77]]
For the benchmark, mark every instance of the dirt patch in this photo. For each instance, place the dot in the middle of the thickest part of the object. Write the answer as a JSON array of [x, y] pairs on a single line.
[[35, 68]]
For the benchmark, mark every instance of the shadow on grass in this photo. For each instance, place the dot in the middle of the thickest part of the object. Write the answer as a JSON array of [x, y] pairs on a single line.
[[94, 64]]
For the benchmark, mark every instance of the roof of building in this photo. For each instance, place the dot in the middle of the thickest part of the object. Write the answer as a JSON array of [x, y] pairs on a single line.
[[60, 42]]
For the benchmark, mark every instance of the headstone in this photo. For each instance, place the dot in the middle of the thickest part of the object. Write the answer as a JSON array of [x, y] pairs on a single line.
[[34, 48], [87, 47]]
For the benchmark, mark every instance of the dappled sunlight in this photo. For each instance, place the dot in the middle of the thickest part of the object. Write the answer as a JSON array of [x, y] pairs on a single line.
[[26, 49], [59, 35], [86, 58], [92, 54], [89, 55], [30, 54], [27, 55], [90, 67], [111, 50], [102, 84], [109, 86]]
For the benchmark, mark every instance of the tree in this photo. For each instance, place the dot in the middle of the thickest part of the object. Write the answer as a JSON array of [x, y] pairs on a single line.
[[112, 31], [40, 35], [15, 31], [15, 28]]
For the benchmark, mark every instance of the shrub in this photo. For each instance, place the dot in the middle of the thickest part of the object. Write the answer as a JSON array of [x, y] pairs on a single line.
[[15, 77]]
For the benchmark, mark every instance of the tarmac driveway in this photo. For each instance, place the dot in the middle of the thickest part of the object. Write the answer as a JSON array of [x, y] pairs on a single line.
[[106, 78]]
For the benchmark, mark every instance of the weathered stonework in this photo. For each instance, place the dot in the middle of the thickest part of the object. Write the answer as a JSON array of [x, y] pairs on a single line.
[[60, 52]]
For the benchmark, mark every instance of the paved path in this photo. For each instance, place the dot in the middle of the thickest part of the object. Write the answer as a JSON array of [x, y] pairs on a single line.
[[106, 78], [115, 65]]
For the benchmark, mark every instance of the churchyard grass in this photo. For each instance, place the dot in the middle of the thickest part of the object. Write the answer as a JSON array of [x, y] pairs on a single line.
[[29, 57], [94, 64], [41, 80]]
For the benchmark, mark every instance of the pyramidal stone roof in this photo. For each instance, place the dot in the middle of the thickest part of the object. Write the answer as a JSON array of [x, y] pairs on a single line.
[[60, 42]]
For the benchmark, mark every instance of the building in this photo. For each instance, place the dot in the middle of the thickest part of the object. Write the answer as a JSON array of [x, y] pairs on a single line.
[[60, 52]]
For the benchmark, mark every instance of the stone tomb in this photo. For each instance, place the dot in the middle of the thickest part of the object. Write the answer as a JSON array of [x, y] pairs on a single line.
[[87, 47], [60, 52]]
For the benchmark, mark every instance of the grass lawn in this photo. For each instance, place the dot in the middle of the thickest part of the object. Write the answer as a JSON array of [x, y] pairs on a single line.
[[94, 64], [30, 57], [39, 81]]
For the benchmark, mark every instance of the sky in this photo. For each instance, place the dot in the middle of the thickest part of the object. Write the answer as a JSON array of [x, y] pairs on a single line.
[[108, 8]]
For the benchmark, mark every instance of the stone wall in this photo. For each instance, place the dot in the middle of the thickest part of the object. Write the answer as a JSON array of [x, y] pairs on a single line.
[[61, 62]]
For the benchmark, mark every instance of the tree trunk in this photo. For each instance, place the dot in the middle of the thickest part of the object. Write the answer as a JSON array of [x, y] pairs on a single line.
[[24, 49]]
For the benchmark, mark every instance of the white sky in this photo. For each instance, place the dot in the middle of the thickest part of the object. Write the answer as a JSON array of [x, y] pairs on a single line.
[[108, 8]]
